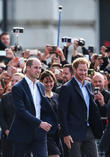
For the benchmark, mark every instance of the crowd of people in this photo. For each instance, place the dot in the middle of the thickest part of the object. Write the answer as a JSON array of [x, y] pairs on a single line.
[[50, 107]]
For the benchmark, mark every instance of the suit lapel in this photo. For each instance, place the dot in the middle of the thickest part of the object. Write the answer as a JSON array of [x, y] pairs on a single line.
[[41, 91], [27, 89], [88, 89], [77, 88]]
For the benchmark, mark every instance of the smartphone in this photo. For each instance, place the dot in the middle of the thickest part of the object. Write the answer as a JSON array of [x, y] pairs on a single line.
[[2, 53], [57, 72], [96, 90], [53, 49], [90, 72], [91, 49]]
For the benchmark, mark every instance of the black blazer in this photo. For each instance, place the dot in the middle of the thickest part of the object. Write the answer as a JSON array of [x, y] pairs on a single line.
[[103, 109], [7, 111], [25, 127], [73, 112], [50, 114], [105, 140]]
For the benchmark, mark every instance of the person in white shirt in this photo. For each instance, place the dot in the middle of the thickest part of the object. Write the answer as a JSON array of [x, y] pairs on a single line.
[[28, 131]]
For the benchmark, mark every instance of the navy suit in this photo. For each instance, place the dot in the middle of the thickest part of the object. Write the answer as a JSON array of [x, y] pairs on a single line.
[[73, 112], [26, 127], [105, 140]]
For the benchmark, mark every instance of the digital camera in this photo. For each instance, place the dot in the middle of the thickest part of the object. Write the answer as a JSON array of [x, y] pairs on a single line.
[[18, 29]]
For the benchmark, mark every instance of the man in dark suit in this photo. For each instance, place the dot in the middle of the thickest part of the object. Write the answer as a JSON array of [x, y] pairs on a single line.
[[28, 131], [102, 99], [105, 140], [79, 117], [101, 96]]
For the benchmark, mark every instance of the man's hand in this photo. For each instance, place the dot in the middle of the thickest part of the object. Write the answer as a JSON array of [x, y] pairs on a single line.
[[9, 53], [102, 50], [100, 98], [68, 140], [14, 62], [60, 53], [46, 126], [7, 132], [75, 45], [4, 76]]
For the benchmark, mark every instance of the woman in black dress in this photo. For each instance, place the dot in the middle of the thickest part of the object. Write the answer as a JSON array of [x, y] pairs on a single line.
[[53, 139]]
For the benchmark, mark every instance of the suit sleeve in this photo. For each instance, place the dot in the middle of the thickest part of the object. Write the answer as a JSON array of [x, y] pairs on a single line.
[[64, 100], [95, 120], [3, 123], [20, 108]]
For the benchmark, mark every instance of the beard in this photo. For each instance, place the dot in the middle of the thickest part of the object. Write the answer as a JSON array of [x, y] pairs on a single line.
[[80, 77]]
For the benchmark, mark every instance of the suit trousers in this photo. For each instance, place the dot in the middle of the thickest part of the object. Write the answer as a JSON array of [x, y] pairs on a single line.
[[84, 148], [36, 148]]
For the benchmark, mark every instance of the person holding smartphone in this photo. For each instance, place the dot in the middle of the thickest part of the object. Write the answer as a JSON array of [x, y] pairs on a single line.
[[101, 96]]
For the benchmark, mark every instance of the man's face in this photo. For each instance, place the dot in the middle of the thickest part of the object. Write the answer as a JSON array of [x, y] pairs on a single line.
[[5, 40], [100, 60], [35, 70], [66, 74], [81, 72], [98, 81]]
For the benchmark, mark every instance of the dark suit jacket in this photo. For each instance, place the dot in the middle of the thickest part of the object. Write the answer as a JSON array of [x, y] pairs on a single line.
[[73, 112], [25, 127], [103, 109], [50, 114], [105, 140], [7, 111]]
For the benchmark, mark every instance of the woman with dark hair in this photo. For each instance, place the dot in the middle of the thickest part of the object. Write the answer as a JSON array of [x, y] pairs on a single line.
[[53, 140]]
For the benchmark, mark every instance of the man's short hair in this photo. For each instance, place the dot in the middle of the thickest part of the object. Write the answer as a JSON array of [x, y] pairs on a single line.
[[4, 33], [78, 61], [56, 65], [98, 74], [30, 61], [69, 66]]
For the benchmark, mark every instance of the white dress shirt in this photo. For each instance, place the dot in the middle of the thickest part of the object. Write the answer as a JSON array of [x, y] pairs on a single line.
[[35, 95], [85, 96]]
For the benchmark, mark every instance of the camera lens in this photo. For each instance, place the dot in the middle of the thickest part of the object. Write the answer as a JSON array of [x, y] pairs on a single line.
[[69, 40], [81, 42]]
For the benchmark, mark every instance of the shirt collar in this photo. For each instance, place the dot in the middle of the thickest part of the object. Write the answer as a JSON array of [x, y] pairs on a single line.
[[79, 83], [30, 82]]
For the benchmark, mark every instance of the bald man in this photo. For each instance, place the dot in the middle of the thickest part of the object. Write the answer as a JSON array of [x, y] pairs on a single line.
[[102, 97]]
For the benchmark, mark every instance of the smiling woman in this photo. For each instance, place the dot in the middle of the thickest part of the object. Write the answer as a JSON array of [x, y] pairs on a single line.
[[53, 140], [48, 79]]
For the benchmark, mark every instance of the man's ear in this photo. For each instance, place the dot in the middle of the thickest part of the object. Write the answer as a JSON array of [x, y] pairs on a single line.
[[28, 68]]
